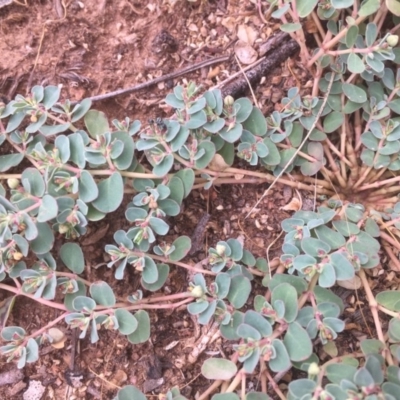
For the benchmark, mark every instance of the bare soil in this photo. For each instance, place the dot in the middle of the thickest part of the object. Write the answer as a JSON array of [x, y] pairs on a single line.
[[97, 46]]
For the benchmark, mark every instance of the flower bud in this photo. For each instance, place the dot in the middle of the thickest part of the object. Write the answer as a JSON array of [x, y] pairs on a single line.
[[220, 249], [313, 369], [197, 291], [229, 100], [13, 183], [63, 229], [17, 256], [392, 40]]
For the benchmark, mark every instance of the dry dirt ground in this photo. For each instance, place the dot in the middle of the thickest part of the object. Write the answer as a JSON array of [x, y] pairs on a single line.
[[97, 46]]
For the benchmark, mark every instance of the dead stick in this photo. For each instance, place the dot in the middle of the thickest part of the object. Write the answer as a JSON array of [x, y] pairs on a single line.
[[155, 81]]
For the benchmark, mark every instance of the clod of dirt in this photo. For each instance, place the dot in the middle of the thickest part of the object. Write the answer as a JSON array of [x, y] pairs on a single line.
[[11, 377], [150, 384], [245, 53], [164, 42], [4, 3], [35, 391]]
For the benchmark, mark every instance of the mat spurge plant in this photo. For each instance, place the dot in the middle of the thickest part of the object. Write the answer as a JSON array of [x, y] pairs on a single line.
[[65, 167]]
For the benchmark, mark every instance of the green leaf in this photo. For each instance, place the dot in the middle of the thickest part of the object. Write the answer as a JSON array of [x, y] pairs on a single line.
[[354, 93], [187, 176], [32, 181], [88, 190], [127, 323], [81, 109], [130, 393], [258, 322], [93, 214], [150, 271], [244, 111], [394, 329], [289, 27], [351, 36], [32, 351], [10, 160], [102, 293], [236, 249], [72, 256], [124, 160], [228, 331], [281, 362], [371, 33], [206, 158], [96, 123], [355, 64], [182, 247], [371, 346], [142, 333], [344, 270], [256, 123], [301, 388], [225, 396], [325, 295], [196, 120], [77, 149], [298, 283], [50, 96], [177, 189], [233, 134], [205, 316], [314, 247], [331, 237], [305, 7], [9, 332], [239, 291], [48, 209], [158, 225], [297, 342], [111, 193], [70, 297], [14, 121], [83, 303], [394, 7], [339, 4], [164, 166], [174, 102], [288, 295], [163, 271], [45, 239], [369, 7], [197, 307], [257, 396], [218, 368], [389, 299]]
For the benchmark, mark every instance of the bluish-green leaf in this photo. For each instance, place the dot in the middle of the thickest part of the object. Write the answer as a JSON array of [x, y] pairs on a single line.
[[111, 193], [239, 291], [45, 239], [218, 368], [48, 209], [96, 123], [72, 256], [305, 7], [127, 323], [256, 123], [354, 93], [297, 342], [102, 293], [142, 333]]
